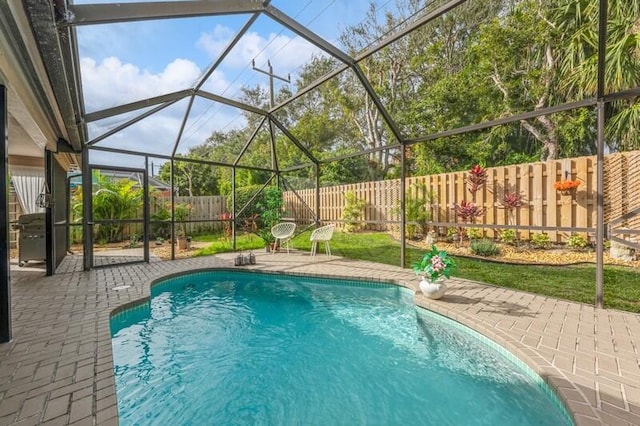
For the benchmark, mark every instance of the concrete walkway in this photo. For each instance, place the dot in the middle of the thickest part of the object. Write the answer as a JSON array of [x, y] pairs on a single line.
[[58, 369]]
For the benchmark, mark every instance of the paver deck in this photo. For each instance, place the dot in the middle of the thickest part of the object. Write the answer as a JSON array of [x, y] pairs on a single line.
[[58, 369]]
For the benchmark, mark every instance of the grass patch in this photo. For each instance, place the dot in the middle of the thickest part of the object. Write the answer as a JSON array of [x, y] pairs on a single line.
[[576, 283], [222, 244]]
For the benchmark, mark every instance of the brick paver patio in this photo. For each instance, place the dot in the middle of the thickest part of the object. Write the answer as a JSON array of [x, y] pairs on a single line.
[[59, 367]]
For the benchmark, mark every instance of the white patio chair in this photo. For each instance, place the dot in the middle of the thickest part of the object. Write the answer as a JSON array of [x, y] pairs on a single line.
[[283, 232], [324, 233]]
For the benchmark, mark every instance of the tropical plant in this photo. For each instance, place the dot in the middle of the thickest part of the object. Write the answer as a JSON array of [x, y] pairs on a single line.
[[476, 178], [226, 218], [435, 264], [114, 200], [512, 201], [467, 211], [352, 211], [159, 222], [181, 213], [577, 24], [416, 212]]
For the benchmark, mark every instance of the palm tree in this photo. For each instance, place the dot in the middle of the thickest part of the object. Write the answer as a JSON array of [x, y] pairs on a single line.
[[577, 21]]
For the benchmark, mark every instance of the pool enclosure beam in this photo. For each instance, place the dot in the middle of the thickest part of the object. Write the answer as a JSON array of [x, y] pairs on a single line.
[[602, 52], [132, 106], [5, 268], [585, 103], [226, 51], [91, 14], [182, 126], [184, 159], [87, 227], [49, 214], [129, 123], [249, 141]]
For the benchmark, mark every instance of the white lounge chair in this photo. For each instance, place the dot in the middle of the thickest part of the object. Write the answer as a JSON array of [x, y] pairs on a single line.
[[283, 232], [324, 233]]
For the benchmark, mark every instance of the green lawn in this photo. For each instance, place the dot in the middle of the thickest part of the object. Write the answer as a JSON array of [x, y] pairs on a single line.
[[221, 244], [577, 283]]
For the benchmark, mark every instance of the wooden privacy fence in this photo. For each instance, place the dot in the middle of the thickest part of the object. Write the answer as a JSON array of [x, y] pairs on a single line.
[[544, 209], [203, 208]]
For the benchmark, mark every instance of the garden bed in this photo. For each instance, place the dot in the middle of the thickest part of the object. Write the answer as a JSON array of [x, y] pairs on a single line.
[[525, 254]]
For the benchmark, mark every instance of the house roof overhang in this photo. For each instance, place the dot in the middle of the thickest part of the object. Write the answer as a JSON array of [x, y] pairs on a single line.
[[35, 120]]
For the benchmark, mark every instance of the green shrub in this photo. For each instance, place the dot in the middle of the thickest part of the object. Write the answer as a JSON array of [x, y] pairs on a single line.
[[484, 247], [452, 234], [160, 226], [352, 212], [415, 211], [509, 236], [577, 241], [270, 206], [265, 208], [475, 233], [540, 241]]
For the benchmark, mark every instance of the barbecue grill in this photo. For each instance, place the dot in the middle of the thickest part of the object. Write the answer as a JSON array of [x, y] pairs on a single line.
[[31, 245]]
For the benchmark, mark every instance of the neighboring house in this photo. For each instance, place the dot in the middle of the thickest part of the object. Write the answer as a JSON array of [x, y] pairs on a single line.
[[155, 183]]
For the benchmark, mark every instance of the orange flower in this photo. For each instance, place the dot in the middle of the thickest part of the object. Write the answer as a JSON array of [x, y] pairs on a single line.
[[565, 185]]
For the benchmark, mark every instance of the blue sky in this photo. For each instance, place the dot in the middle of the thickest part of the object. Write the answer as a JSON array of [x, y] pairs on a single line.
[[121, 63]]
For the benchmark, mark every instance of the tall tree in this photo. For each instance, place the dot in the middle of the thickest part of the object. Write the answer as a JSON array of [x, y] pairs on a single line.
[[577, 22]]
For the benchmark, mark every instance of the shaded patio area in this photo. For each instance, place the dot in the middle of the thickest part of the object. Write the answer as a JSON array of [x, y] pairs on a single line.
[[59, 367]]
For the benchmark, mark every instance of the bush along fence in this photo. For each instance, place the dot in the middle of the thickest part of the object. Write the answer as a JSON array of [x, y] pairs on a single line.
[[557, 198]]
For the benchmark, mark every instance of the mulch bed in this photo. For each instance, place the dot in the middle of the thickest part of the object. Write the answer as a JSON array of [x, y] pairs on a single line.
[[528, 255]]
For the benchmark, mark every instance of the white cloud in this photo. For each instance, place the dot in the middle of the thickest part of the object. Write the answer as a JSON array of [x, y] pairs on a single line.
[[157, 133], [112, 82], [291, 53]]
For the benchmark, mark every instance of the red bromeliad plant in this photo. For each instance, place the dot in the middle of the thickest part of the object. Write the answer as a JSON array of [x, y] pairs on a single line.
[[510, 202], [467, 211], [226, 218], [476, 178]]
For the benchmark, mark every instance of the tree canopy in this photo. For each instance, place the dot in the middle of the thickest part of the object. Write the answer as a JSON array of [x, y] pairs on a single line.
[[478, 62]]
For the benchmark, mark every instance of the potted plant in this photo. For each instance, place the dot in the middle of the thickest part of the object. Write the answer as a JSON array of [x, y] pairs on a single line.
[[181, 212], [566, 187], [435, 266], [268, 239]]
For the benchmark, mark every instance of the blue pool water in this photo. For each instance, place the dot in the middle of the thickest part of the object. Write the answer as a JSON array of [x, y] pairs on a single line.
[[236, 348]]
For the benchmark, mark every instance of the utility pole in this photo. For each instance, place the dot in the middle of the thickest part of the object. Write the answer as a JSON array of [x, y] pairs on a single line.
[[272, 103], [271, 77]]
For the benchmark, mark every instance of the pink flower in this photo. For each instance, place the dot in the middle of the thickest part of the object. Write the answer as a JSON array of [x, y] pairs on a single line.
[[437, 264]]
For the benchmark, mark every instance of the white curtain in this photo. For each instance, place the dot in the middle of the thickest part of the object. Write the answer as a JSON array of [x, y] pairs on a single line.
[[28, 183]]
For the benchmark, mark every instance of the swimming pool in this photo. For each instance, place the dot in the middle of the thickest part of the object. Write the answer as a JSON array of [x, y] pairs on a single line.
[[229, 347]]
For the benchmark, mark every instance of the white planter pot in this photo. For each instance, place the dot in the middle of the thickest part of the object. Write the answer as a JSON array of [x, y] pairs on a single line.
[[433, 290]]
